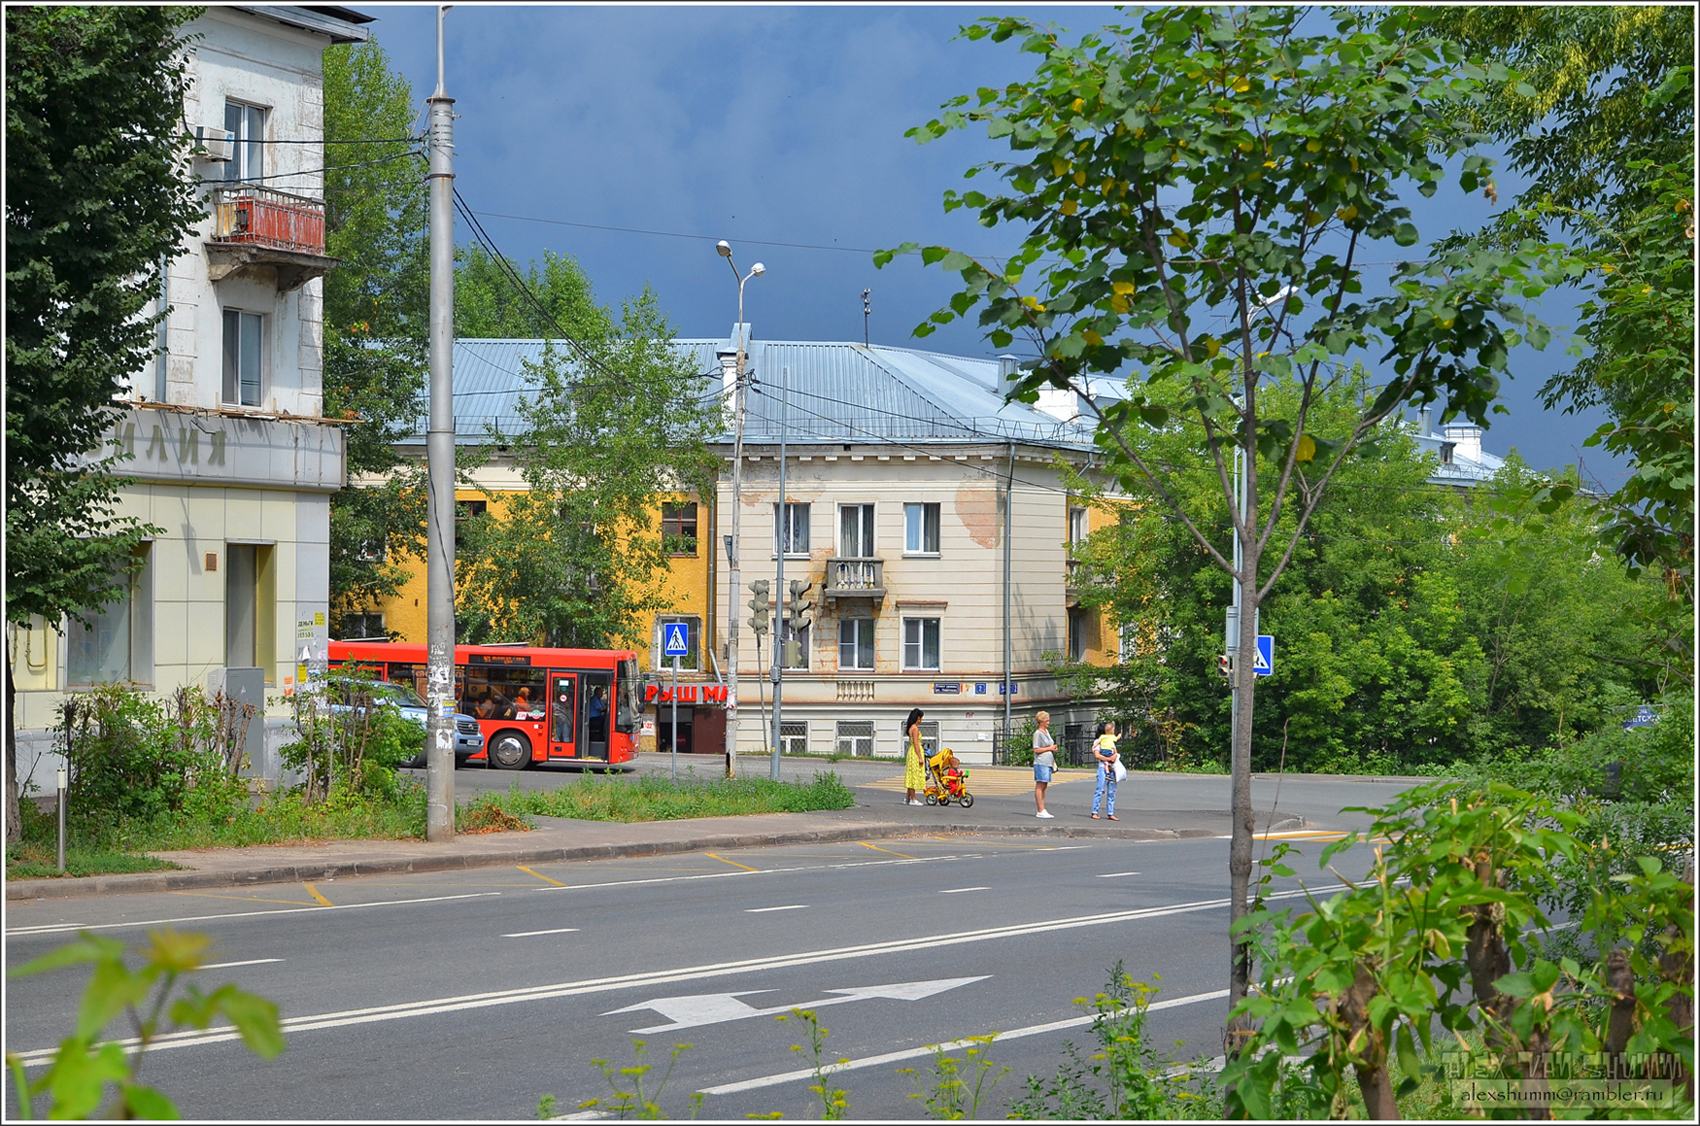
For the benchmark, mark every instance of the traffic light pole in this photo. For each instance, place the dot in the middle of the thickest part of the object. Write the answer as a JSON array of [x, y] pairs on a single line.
[[776, 665]]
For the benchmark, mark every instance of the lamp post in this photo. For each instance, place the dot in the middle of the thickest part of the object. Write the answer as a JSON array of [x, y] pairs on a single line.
[[734, 580]]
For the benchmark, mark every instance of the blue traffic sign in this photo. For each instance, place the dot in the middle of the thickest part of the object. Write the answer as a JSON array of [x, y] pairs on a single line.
[[1264, 665], [1644, 717], [674, 640]]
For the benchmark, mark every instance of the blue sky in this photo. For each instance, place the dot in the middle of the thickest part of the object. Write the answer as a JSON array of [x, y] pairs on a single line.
[[779, 129]]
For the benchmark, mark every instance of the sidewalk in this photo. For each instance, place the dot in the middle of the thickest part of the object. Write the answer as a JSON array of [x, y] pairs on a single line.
[[1004, 807]]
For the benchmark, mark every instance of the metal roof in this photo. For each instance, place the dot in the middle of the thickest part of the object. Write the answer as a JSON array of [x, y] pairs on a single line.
[[833, 392]]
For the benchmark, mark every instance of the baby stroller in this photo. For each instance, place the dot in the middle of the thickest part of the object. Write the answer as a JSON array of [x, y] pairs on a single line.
[[947, 780]]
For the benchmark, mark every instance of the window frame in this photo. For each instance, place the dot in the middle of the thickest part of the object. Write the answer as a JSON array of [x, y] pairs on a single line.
[[920, 644], [677, 538], [232, 385], [929, 521], [858, 625], [1079, 526], [246, 149], [1077, 630], [136, 606], [866, 531], [789, 523]]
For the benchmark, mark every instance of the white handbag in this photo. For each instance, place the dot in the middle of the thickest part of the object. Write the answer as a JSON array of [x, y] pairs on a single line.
[[1121, 771]]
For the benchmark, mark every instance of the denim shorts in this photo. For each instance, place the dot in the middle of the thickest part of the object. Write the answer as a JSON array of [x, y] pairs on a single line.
[[1041, 772]]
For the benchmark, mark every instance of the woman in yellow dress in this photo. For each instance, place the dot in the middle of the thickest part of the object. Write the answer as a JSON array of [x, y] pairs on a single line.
[[914, 772]]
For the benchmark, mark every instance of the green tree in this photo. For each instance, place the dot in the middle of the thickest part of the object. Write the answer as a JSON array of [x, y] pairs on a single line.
[[1195, 169], [489, 304], [98, 196], [573, 559], [375, 322]]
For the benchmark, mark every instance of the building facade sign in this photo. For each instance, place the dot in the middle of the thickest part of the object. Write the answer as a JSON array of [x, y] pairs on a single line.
[[181, 447]]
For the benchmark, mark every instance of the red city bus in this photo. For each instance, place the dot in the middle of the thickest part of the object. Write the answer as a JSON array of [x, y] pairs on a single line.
[[533, 705]]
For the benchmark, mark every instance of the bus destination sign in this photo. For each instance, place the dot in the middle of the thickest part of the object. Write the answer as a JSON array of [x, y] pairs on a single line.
[[520, 660]]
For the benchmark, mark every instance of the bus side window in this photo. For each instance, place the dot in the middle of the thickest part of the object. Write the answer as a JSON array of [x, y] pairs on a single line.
[[562, 711]]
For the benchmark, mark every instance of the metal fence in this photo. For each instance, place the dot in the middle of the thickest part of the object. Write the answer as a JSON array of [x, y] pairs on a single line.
[[1142, 751]]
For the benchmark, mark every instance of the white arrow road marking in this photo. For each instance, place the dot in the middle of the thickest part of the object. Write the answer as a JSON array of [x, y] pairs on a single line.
[[718, 1008], [434, 1006]]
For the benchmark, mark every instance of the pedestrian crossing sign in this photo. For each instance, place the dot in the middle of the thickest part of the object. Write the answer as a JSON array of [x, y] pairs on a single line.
[[1264, 664], [674, 642]]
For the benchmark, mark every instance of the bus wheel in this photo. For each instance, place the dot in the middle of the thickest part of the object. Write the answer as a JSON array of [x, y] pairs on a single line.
[[510, 750]]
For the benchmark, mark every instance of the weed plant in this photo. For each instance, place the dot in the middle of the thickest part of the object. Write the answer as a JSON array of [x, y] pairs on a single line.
[[653, 798]]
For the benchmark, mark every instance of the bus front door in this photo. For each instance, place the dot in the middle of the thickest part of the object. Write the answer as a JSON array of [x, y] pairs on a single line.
[[563, 716], [598, 713]]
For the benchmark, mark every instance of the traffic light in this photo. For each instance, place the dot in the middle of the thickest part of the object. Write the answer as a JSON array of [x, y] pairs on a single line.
[[760, 604], [799, 613], [1224, 666], [793, 655]]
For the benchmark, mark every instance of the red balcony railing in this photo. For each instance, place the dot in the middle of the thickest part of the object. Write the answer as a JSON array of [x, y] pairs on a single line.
[[243, 213]]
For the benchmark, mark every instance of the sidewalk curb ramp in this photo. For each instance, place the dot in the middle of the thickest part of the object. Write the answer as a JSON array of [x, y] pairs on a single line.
[[452, 860]]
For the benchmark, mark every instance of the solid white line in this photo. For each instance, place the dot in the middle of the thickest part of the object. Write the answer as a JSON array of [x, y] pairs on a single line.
[[954, 1045], [233, 965], [528, 934], [1059, 848], [953, 891], [59, 928], [787, 907], [1113, 875], [376, 1013]]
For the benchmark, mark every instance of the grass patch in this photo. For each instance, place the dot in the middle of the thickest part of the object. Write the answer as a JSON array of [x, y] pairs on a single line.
[[662, 799], [29, 860]]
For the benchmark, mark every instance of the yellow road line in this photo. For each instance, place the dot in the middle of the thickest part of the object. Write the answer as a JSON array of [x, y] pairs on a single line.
[[540, 876], [314, 892], [242, 898], [865, 844], [734, 863]]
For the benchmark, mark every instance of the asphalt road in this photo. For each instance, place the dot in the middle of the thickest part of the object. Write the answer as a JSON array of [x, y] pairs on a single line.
[[471, 994]]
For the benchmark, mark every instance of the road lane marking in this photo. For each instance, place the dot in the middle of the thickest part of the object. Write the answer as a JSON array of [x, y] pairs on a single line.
[[954, 1045], [233, 965], [718, 1008], [877, 848], [787, 907], [734, 863], [541, 876], [762, 872], [238, 898], [60, 928], [465, 1002], [1059, 848], [1113, 875], [953, 891], [314, 892], [529, 934]]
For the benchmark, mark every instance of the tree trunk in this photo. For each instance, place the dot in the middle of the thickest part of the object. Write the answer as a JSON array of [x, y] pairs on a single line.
[[13, 827], [1486, 954], [1620, 979], [1678, 968], [1374, 1080]]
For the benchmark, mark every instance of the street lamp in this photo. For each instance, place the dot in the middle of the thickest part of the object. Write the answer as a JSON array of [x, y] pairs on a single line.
[[734, 583]]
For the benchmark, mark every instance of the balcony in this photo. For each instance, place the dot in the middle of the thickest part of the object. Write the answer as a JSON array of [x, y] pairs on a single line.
[[855, 578], [265, 233], [1071, 584]]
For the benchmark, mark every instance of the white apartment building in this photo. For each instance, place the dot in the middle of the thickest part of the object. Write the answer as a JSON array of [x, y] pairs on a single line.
[[224, 434]]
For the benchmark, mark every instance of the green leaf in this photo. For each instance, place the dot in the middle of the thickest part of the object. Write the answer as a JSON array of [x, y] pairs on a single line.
[[87, 948], [256, 1019], [1405, 235], [148, 1104]]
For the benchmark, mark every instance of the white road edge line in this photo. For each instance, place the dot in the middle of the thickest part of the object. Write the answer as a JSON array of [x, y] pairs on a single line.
[[431, 1007], [1113, 875], [233, 965], [60, 928], [528, 934], [954, 1045], [953, 891], [787, 907]]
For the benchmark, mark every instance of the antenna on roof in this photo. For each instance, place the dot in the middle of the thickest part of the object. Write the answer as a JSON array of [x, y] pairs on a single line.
[[867, 308]]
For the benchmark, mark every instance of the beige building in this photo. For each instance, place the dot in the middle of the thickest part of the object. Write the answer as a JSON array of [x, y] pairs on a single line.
[[224, 434]]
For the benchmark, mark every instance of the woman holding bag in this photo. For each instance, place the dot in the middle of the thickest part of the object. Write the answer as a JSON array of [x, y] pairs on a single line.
[[1044, 760], [1104, 750]]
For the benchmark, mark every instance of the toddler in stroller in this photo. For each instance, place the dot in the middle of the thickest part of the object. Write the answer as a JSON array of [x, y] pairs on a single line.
[[947, 781]]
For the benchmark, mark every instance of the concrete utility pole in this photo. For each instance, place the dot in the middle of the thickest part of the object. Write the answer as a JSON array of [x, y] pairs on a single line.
[[776, 666], [440, 470], [733, 578]]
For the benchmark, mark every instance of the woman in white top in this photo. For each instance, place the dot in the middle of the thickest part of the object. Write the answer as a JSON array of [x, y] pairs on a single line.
[[1044, 760]]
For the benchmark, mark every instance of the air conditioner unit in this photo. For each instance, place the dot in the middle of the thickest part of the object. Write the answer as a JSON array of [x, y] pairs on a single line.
[[213, 144]]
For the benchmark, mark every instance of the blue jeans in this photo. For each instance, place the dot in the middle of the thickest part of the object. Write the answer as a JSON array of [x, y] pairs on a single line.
[[1106, 781]]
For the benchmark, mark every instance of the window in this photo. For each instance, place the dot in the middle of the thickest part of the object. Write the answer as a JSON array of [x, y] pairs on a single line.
[[1077, 635], [250, 617], [1128, 641], [1077, 527], [856, 531], [856, 643], [243, 350], [855, 737], [693, 635], [920, 643], [116, 647], [679, 528], [794, 738], [799, 659], [364, 625], [929, 737], [248, 123], [468, 510], [792, 530], [920, 529], [501, 693]]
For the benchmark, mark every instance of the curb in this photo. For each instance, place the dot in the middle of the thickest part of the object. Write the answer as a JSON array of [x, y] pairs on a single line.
[[187, 879]]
